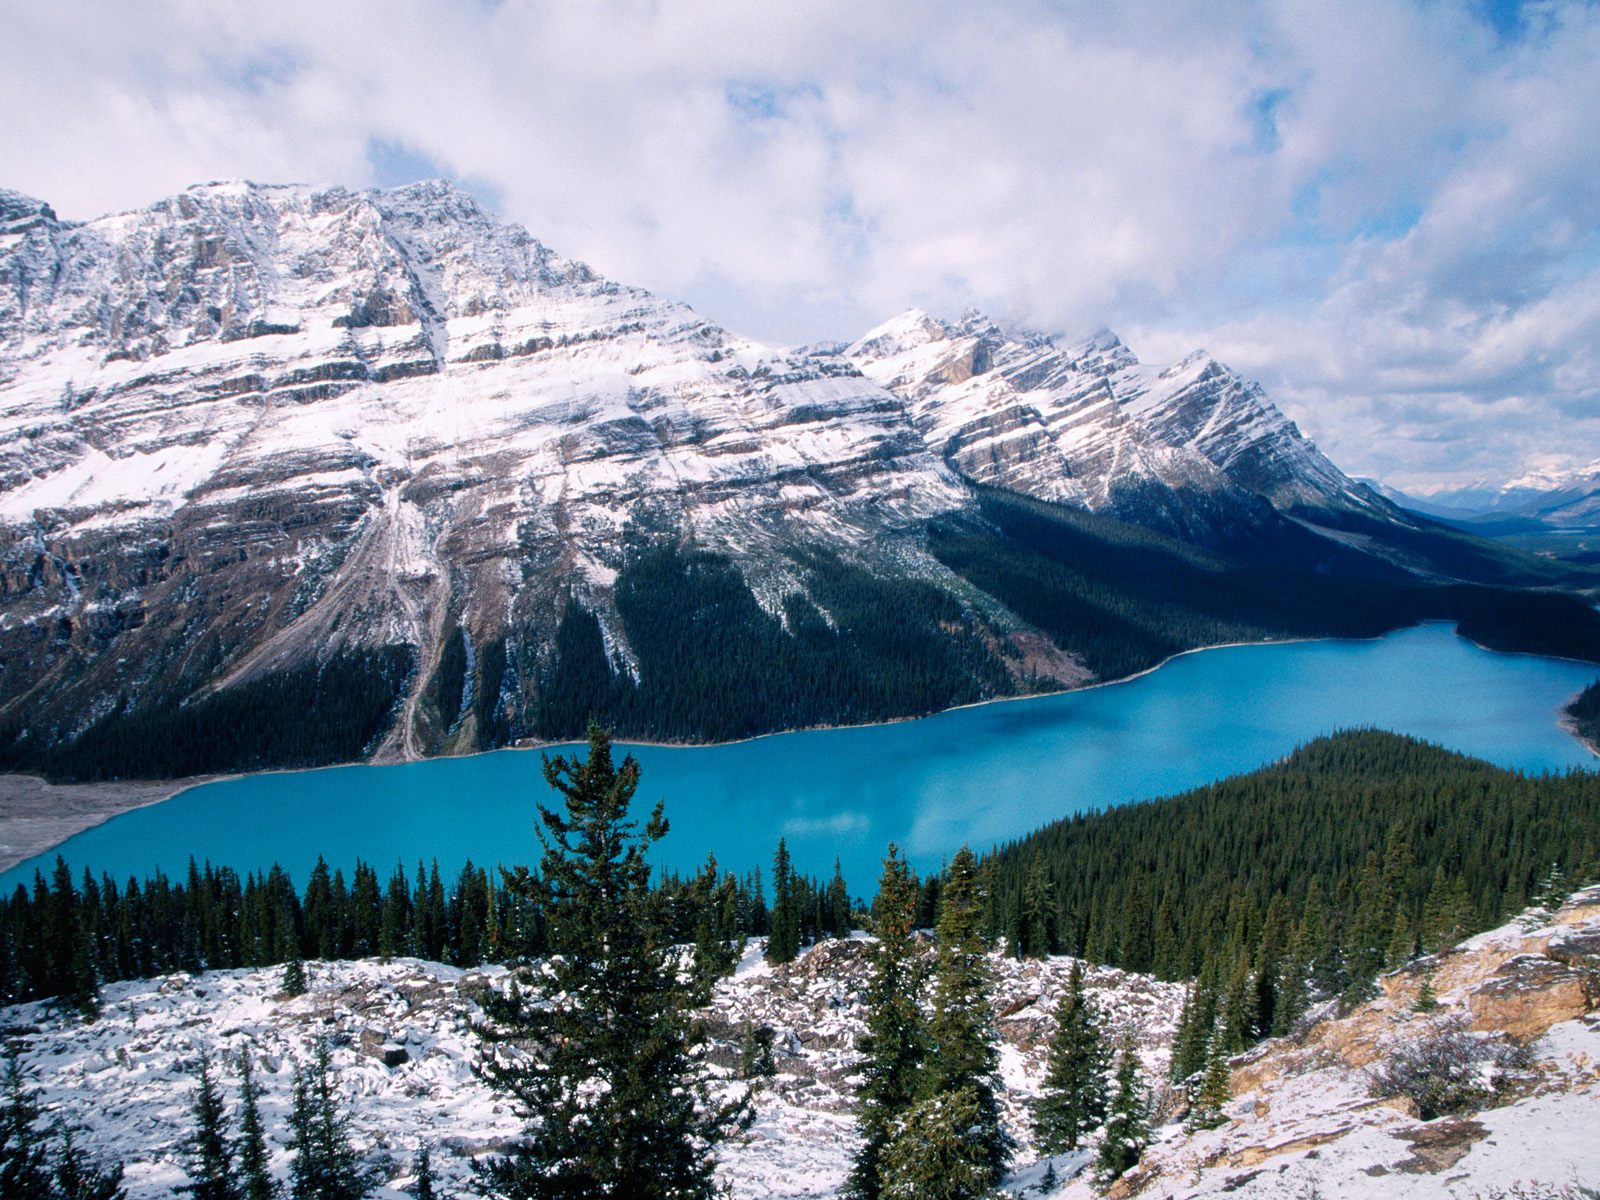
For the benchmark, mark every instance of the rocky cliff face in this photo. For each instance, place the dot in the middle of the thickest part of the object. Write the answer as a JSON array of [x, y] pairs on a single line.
[[364, 453], [1516, 1014], [254, 426], [1191, 449]]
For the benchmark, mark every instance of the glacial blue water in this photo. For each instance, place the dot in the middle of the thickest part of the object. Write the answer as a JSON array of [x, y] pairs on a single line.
[[978, 775]]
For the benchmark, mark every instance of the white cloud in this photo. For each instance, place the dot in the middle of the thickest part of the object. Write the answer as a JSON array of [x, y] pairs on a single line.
[[1381, 208]]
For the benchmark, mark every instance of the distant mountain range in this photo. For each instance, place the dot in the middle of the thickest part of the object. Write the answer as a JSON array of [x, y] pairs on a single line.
[[290, 476], [1568, 499]]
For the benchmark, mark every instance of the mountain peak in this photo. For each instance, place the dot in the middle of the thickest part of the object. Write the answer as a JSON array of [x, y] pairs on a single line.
[[18, 209], [906, 331]]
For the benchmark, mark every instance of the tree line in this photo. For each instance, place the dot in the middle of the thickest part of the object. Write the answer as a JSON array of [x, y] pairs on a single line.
[[66, 936]]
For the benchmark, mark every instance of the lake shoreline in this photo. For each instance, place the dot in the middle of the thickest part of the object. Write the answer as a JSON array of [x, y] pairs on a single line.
[[36, 816], [978, 775]]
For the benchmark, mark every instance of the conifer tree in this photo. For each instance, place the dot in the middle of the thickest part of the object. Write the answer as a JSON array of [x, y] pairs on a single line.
[[208, 1156], [964, 1043], [24, 1159], [1072, 1098], [1200, 1012], [838, 905], [616, 1099], [783, 943], [930, 1156], [1036, 928], [78, 1178], [755, 1053], [294, 977], [1427, 999], [894, 1045], [325, 1164], [422, 1171], [255, 1173], [1402, 943], [1215, 1090], [1127, 1125]]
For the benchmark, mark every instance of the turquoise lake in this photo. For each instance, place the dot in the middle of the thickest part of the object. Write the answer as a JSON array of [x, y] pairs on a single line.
[[978, 775]]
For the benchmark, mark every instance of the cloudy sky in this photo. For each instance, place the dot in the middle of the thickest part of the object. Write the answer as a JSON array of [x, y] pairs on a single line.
[[1389, 213]]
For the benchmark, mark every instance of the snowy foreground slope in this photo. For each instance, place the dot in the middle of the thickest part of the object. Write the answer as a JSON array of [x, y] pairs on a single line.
[[1302, 1122], [127, 1077]]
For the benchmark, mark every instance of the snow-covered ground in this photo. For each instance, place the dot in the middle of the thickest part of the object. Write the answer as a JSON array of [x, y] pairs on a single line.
[[1303, 1122], [127, 1079]]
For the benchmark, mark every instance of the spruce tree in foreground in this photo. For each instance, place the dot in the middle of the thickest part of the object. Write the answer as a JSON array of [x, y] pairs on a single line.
[[1214, 1091], [78, 1178], [208, 1156], [896, 1039], [255, 1172], [964, 1054], [1128, 1124], [325, 1164], [930, 1155], [617, 1101], [1072, 1099], [24, 1160]]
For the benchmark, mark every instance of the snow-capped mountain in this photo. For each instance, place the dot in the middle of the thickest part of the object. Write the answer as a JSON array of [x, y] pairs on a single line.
[[298, 420], [1563, 498], [253, 430], [1179, 448], [1566, 498]]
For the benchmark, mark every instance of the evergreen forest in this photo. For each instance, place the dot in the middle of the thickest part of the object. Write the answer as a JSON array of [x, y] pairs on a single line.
[[850, 643]]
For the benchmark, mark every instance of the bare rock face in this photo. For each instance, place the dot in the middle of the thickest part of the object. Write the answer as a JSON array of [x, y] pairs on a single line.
[[252, 428], [1304, 1119], [1192, 450], [265, 443]]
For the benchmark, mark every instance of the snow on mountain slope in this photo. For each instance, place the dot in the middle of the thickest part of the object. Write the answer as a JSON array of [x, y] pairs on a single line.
[[281, 421], [1088, 424]]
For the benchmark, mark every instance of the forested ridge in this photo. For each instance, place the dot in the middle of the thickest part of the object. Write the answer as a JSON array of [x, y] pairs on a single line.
[[700, 659], [1302, 880], [1585, 713]]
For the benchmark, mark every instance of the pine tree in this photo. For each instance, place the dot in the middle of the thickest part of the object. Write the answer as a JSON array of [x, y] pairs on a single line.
[[208, 1156], [78, 1178], [1036, 929], [1072, 1098], [838, 906], [783, 944], [894, 1045], [1402, 944], [24, 1159], [1215, 1090], [294, 977], [1552, 891], [325, 1164], [965, 1045], [255, 1173], [1127, 1126], [1427, 999], [422, 1171], [617, 1099], [755, 1053], [1201, 1008], [929, 1155]]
